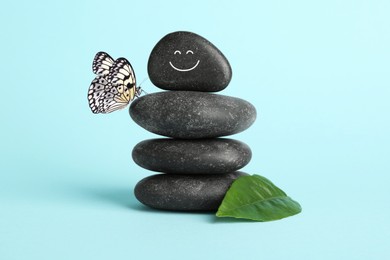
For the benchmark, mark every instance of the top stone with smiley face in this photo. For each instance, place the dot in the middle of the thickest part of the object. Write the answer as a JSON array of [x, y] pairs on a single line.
[[187, 61]]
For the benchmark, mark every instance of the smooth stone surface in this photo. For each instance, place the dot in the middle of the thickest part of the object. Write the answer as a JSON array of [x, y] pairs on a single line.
[[184, 192], [187, 61], [201, 156], [191, 114]]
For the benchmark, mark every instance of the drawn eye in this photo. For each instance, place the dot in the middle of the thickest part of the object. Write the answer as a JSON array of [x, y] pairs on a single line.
[[177, 51], [189, 51]]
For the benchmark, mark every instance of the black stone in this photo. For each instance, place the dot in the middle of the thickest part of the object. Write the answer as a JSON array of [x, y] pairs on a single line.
[[191, 114], [184, 192], [187, 61], [201, 156]]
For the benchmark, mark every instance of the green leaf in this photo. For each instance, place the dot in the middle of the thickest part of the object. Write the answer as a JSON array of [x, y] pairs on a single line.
[[257, 198]]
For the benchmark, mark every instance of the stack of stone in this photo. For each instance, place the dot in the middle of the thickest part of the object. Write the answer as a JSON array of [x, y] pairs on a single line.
[[198, 167]]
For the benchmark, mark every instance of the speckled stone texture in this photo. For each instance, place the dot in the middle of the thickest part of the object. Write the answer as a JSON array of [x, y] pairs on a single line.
[[201, 156], [184, 192], [191, 114], [187, 61], [198, 166]]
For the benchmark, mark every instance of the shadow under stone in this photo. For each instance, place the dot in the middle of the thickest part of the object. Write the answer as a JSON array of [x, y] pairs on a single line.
[[120, 196], [123, 197]]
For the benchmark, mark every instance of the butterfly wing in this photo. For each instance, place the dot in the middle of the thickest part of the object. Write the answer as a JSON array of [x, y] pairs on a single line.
[[112, 100], [115, 85], [123, 77], [96, 93], [103, 97], [102, 63]]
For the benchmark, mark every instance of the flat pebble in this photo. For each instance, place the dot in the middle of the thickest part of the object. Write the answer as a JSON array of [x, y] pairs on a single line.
[[184, 192], [191, 114], [200, 156]]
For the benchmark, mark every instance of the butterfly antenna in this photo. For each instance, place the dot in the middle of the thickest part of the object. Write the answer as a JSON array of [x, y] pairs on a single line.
[[141, 84], [143, 81]]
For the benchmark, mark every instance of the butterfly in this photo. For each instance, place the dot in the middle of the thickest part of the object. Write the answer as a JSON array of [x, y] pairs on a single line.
[[114, 87]]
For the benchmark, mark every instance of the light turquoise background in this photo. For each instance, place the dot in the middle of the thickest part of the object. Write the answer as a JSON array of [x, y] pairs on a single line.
[[317, 72]]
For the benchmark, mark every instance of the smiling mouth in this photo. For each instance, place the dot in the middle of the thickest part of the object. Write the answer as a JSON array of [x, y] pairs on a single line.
[[197, 63]]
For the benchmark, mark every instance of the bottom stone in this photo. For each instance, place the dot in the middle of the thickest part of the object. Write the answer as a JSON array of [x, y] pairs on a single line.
[[203, 192]]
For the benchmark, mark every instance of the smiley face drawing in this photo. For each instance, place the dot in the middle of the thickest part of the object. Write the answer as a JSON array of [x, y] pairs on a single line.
[[181, 69], [186, 61]]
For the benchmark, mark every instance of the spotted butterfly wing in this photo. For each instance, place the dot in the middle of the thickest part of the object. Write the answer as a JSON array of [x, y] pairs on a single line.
[[113, 90], [102, 63], [96, 94], [122, 75]]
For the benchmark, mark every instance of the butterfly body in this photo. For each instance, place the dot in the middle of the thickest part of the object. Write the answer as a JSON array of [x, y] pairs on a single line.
[[114, 87]]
